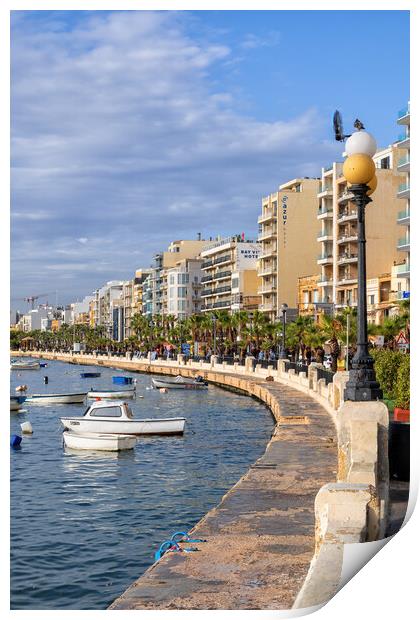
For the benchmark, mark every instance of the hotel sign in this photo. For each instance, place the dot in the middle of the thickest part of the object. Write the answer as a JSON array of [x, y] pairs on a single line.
[[284, 206]]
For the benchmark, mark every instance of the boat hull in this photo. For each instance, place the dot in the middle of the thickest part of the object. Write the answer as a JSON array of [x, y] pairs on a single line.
[[16, 402], [112, 394], [90, 375], [25, 366], [163, 426], [57, 399], [172, 385], [98, 441]]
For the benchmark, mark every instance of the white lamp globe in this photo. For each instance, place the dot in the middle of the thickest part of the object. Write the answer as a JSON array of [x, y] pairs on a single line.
[[361, 142]]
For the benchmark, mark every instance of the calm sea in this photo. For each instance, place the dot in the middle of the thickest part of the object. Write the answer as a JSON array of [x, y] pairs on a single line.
[[85, 525]]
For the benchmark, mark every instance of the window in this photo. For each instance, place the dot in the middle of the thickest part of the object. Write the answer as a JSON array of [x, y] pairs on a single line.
[[235, 282], [182, 291], [172, 291], [172, 279], [372, 300], [181, 305], [108, 412], [385, 163]]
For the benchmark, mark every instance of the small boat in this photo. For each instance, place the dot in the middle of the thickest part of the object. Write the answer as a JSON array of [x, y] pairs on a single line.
[[117, 417], [24, 365], [98, 441], [180, 383], [57, 399], [43, 364], [131, 393], [122, 380], [16, 402], [90, 375]]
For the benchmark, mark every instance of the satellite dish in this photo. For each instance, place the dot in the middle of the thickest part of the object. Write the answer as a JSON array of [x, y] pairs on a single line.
[[338, 127]]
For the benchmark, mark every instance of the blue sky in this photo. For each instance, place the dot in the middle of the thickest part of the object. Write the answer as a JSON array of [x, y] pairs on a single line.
[[130, 129]]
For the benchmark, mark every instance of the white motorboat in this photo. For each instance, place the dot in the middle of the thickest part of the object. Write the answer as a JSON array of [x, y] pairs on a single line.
[[180, 383], [117, 417], [56, 399], [19, 365], [98, 441], [131, 393], [16, 402]]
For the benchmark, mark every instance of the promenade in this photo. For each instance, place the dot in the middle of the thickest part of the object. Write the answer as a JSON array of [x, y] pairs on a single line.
[[260, 538]]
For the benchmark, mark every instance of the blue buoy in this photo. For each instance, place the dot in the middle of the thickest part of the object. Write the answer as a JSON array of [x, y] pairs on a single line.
[[15, 441]]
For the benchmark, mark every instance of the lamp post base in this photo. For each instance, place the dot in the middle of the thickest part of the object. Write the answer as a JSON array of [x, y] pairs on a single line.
[[362, 384]]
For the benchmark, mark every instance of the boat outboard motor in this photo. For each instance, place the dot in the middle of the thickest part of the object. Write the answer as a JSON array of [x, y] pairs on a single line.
[[45, 379]]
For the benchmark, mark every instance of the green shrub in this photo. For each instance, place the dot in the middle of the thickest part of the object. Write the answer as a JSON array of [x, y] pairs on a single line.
[[402, 388], [387, 364]]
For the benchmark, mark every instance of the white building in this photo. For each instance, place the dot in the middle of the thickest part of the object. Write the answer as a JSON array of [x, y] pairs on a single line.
[[184, 288]]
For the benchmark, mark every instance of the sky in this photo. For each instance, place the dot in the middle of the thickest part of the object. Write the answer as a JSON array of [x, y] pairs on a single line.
[[130, 129]]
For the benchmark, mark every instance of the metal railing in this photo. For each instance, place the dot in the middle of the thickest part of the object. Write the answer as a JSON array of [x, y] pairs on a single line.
[[323, 373], [403, 112], [403, 187], [296, 366]]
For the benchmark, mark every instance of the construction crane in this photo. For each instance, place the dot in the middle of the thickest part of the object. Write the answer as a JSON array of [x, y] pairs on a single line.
[[31, 299]]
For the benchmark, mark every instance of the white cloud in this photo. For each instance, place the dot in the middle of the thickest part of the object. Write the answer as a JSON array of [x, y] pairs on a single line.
[[118, 134]]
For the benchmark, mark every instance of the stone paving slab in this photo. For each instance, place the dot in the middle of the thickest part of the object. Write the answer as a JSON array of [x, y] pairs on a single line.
[[260, 538]]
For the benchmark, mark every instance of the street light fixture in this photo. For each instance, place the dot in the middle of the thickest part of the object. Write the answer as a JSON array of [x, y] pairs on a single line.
[[282, 347], [359, 171], [214, 320]]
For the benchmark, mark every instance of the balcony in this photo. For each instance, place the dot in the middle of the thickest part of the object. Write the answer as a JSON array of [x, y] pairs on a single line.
[[403, 244], [220, 275], [325, 282], [206, 292], [325, 213], [267, 233], [325, 259], [343, 259], [222, 259], [403, 271], [347, 238], [403, 191], [267, 270], [207, 263], [206, 279], [404, 141], [269, 214], [270, 251], [403, 116], [403, 164], [325, 235], [344, 197], [404, 217], [346, 279], [269, 307], [347, 216], [267, 288], [222, 289], [325, 191], [223, 304]]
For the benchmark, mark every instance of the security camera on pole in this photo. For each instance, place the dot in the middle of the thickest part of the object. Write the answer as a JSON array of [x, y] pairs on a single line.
[[362, 420]]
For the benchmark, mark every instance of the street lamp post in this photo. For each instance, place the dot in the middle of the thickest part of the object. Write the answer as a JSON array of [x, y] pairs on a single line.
[[282, 347], [359, 171]]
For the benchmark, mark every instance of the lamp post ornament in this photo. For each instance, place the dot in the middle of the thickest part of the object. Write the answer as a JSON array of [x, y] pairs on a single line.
[[359, 171]]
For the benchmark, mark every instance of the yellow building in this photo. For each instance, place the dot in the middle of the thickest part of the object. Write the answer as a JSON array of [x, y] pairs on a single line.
[[229, 274], [308, 295], [337, 239], [287, 234]]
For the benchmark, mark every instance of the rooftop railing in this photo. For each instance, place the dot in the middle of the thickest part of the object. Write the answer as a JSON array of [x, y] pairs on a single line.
[[403, 112]]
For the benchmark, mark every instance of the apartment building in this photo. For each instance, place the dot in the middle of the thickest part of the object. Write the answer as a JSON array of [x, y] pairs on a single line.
[[230, 279], [287, 234], [102, 306], [132, 295], [402, 269], [308, 295], [177, 250], [337, 239], [182, 288]]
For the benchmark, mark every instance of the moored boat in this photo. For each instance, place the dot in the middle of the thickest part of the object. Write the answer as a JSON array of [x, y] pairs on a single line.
[[130, 393], [16, 402], [19, 365], [180, 383], [90, 375], [52, 399], [117, 417], [98, 441], [122, 380]]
